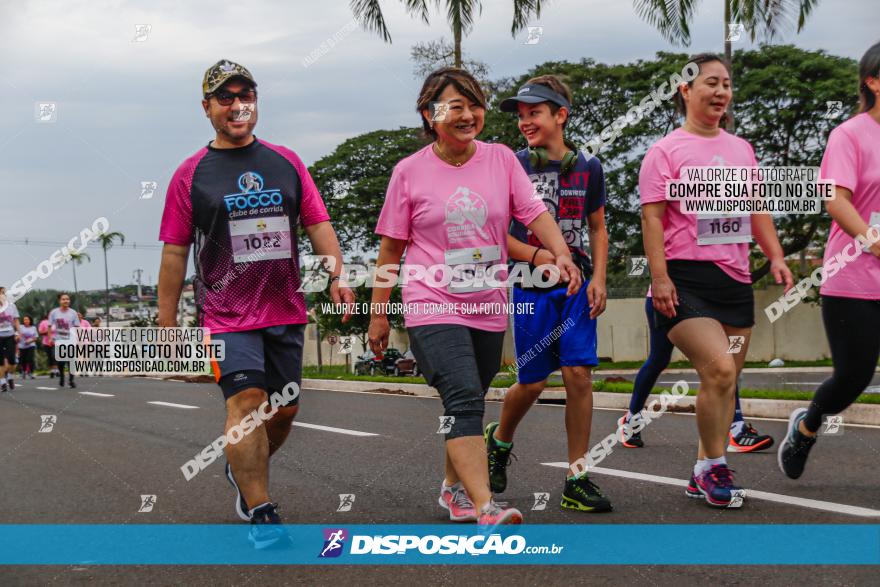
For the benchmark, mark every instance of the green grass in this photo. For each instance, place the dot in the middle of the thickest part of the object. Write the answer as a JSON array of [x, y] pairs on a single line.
[[610, 366], [506, 380]]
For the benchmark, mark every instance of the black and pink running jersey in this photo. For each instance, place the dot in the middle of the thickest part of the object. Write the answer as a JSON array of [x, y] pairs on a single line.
[[241, 208]]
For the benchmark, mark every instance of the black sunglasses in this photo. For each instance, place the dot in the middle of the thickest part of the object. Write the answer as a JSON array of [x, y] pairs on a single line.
[[225, 98]]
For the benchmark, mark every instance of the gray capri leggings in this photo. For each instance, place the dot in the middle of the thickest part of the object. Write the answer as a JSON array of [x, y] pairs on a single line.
[[460, 363]]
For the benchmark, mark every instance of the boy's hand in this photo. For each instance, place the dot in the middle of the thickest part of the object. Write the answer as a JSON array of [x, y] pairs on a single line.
[[598, 296], [544, 257]]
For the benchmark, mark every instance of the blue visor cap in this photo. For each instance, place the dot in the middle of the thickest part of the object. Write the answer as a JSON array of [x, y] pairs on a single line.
[[534, 94]]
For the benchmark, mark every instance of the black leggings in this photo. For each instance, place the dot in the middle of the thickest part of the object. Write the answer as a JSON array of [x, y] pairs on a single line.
[[62, 365], [460, 363], [26, 359], [853, 330]]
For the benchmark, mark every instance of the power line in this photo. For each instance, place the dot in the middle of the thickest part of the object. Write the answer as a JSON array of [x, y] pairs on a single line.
[[57, 244]]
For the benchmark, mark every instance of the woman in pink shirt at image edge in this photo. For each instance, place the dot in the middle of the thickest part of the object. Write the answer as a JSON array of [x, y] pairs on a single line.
[[850, 290]]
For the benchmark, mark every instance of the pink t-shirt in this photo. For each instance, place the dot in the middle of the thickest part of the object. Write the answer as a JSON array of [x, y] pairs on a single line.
[[451, 215], [852, 161], [43, 329], [662, 163]]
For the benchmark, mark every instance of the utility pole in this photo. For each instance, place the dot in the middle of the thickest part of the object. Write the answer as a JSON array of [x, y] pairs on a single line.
[[138, 273]]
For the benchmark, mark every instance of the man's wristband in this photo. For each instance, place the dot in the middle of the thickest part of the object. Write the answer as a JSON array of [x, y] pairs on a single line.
[[332, 279]]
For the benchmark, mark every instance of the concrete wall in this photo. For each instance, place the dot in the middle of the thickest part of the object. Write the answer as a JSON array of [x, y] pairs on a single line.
[[623, 334]]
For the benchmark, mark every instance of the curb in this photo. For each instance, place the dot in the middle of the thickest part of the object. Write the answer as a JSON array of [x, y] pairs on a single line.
[[867, 414]]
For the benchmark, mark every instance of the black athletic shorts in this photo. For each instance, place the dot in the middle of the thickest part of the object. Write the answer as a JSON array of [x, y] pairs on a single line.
[[7, 349], [266, 358], [706, 291]]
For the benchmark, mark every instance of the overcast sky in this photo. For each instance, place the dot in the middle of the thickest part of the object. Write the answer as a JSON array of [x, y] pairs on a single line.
[[129, 111]]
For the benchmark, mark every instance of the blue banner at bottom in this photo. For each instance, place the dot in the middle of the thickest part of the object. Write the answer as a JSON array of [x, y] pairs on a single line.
[[580, 544]]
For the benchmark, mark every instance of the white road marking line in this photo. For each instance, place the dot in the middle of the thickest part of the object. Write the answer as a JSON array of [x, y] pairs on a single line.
[[802, 382], [170, 405], [48, 388], [815, 504], [96, 394], [332, 429]]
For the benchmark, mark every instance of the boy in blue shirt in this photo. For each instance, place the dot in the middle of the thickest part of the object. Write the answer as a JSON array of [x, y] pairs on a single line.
[[561, 333]]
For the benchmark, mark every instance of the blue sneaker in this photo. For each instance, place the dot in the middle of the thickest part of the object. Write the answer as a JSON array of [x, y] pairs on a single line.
[[266, 528], [717, 487], [241, 506]]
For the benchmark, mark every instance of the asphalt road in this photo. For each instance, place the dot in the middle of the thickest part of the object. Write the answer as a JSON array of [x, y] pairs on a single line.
[[106, 450]]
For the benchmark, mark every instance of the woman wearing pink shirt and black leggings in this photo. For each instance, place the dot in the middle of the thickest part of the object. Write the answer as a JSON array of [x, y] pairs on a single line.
[[701, 284], [851, 289], [449, 206]]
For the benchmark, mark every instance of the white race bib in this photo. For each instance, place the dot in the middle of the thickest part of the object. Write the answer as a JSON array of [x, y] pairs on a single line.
[[721, 229], [260, 239], [471, 265]]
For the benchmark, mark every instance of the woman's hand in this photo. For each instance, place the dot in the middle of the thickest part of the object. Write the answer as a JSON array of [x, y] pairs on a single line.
[[781, 273], [664, 295], [378, 334], [569, 272]]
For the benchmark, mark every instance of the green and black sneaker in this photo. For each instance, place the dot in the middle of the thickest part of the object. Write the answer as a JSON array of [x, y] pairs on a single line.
[[584, 495], [499, 458]]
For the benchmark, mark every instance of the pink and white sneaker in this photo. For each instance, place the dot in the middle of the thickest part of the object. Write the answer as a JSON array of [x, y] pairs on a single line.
[[493, 515], [455, 499]]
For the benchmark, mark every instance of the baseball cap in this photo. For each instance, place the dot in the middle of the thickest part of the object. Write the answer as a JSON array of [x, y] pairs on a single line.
[[223, 71], [534, 94]]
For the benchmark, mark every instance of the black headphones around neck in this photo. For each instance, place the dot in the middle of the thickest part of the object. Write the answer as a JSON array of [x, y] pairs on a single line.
[[538, 158]]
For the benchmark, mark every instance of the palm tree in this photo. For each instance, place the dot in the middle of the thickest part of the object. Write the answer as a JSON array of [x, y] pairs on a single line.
[[769, 17], [459, 13], [108, 239], [77, 259]]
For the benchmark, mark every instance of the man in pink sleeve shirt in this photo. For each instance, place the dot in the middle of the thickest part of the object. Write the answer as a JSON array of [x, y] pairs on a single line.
[[240, 201]]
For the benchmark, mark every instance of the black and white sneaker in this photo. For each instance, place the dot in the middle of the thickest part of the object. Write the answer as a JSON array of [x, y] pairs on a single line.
[[795, 448], [266, 526], [4, 387], [241, 506], [11, 384], [748, 440]]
